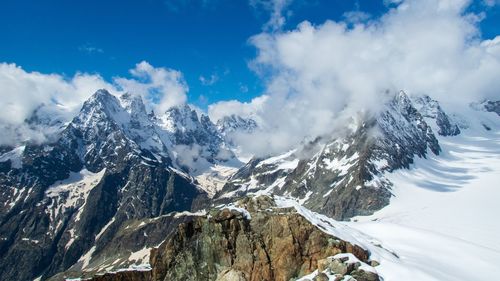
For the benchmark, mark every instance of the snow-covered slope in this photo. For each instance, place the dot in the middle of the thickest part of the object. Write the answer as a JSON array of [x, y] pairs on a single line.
[[442, 221]]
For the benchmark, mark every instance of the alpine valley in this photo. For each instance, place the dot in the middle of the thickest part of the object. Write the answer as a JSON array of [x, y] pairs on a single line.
[[409, 192]]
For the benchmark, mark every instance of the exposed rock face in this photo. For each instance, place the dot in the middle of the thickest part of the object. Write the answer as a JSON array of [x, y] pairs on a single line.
[[264, 244], [492, 106], [343, 267], [257, 242], [254, 241], [233, 126], [430, 108], [233, 123], [343, 177]]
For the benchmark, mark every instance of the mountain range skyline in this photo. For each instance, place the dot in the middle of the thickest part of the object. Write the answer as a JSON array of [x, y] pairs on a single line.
[[253, 140]]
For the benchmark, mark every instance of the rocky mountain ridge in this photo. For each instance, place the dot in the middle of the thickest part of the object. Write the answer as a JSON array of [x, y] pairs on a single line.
[[252, 240], [119, 182], [66, 200], [343, 177]]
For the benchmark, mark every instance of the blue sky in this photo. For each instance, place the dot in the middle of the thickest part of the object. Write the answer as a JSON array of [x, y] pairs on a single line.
[[206, 38]]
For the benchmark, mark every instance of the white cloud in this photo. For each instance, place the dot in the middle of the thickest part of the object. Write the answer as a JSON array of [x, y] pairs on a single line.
[[356, 17], [275, 8], [318, 75], [252, 109], [209, 81], [22, 92], [161, 88]]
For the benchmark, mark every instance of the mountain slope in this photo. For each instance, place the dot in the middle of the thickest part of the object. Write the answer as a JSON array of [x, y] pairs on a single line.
[[443, 218], [343, 176], [68, 199]]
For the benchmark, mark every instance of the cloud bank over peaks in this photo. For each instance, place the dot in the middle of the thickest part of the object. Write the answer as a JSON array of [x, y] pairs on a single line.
[[161, 88], [59, 98], [317, 75]]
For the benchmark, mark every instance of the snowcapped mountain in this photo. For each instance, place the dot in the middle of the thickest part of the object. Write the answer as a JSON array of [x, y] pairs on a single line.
[[145, 194], [233, 123], [117, 155], [195, 141], [431, 109], [443, 216], [343, 177]]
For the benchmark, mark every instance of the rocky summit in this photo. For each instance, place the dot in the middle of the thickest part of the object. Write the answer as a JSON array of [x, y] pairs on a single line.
[[251, 240]]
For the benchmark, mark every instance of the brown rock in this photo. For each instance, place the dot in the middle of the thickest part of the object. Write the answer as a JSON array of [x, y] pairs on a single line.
[[362, 275], [231, 275], [321, 277], [272, 245]]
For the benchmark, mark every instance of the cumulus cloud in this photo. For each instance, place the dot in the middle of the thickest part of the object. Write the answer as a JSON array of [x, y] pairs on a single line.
[[160, 87], [21, 92], [318, 75], [60, 98], [252, 109]]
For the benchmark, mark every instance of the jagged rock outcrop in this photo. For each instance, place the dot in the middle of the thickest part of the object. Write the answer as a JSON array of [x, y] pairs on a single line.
[[254, 241], [233, 123], [233, 126], [492, 106], [430, 108], [343, 267]]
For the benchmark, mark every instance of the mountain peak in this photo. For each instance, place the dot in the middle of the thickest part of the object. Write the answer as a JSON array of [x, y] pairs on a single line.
[[101, 105], [402, 102], [101, 95], [183, 114], [233, 123], [134, 105], [101, 101], [430, 109]]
